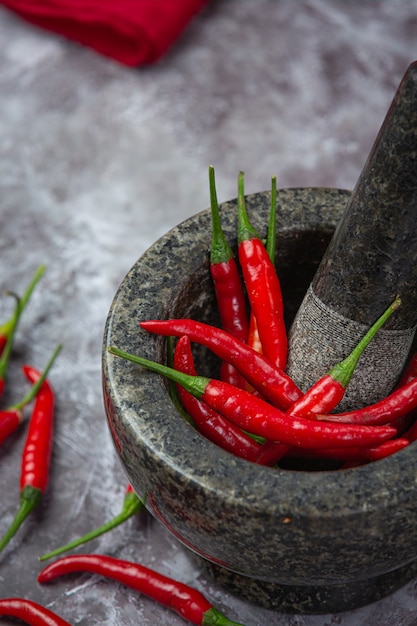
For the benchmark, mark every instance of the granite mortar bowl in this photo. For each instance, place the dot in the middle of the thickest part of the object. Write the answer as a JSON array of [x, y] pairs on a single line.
[[286, 539]]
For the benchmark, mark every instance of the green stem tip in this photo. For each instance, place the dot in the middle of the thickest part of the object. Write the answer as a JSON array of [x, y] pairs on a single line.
[[220, 251], [36, 386], [195, 385], [245, 230], [132, 504], [213, 617], [29, 500], [343, 371]]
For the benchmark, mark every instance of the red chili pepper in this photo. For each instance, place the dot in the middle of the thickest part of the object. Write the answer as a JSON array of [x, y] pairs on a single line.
[[228, 286], [131, 506], [262, 286], [187, 602], [10, 420], [256, 416], [355, 453], [30, 612], [254, 341], [324, 395], [8, 329], [12, 417], [36, 451], [398, 403], [213, 425], [271, 382]]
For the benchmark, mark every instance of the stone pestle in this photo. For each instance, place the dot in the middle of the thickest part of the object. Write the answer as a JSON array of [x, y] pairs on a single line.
[[371, 259]]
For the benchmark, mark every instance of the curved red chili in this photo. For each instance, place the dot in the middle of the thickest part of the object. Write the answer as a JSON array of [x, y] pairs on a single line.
[[210, 423], [262, 286], [398, 403], [256, 416], [30, 612], [36, 451], [187, 602], [132, 504], [271, 382]]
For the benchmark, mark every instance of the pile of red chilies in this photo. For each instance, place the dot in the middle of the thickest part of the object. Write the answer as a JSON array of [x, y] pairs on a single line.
[[255, 409]]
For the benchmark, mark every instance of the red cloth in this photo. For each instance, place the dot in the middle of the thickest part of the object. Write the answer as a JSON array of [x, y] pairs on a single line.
[[133, 32]]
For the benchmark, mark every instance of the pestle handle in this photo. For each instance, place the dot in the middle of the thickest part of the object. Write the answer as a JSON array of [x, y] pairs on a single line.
[[371, 258]]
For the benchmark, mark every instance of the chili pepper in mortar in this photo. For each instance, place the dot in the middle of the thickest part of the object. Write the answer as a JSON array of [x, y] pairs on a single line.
[[36, 451], [398, 403], [262, 286], [272, 382], [254, 340], [8, 328], [187, 602], [30, 612], [361, 454], [410, 371], [132, 504], [257, 416], [213, 425], [324, 395], [228, 286]]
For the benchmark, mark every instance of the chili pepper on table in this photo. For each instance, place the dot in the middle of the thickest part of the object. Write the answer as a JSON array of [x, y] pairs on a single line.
[[186, 601], [210, 423], [262, 286], [271, 382], [132, 504], [30, 612], [324, 395], [257, 416], [254, 340], [36, 451], [12, 417]]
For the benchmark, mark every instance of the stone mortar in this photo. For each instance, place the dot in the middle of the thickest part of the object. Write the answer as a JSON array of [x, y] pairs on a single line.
[[297, 541]]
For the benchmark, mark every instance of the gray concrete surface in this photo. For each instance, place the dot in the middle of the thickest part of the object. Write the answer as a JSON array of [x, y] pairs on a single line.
[[96, 162]]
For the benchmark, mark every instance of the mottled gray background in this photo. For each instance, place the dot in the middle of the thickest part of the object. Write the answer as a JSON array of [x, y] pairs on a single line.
[[96, 162]]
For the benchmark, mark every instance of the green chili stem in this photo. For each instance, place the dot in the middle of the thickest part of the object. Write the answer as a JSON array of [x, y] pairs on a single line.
[[245, 230], [196, 385], [220, 252], [36, 386], [9, 328], [343, 371], [132, 504], [213, 617], [29, 500]]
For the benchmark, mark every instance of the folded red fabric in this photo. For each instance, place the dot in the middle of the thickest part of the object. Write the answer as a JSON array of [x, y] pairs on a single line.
[[133, 32]]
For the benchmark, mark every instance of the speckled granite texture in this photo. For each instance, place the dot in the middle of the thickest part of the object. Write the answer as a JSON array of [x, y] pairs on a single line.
[[96, 163], [307, 537]]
